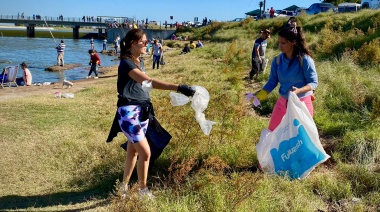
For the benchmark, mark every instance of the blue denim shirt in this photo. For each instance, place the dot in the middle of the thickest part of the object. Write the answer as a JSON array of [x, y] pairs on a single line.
[[290, 73]]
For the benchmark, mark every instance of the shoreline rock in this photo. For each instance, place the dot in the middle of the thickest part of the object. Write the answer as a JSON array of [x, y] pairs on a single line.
[[62, 68]]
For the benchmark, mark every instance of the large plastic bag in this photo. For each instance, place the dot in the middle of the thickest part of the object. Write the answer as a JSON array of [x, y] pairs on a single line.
[[293, 148], [199, 103]]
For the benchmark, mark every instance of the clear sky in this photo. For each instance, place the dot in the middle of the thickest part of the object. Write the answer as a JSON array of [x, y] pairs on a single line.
[[158, 10]]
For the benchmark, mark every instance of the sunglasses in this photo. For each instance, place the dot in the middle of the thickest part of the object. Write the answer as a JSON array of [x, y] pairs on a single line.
[[144, 42]]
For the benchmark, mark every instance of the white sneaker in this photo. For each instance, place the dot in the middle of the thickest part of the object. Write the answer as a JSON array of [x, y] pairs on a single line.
[[123, 189], [145, 193], [87, 77], [96, 77]]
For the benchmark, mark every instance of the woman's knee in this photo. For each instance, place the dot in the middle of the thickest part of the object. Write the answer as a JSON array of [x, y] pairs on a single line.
[[143, 149]]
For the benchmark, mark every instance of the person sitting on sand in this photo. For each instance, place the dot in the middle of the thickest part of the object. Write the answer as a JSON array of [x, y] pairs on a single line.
[[26, 78], [3, 76]]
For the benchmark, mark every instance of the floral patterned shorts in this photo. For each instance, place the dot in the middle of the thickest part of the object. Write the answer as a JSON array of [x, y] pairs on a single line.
[[130, 123]]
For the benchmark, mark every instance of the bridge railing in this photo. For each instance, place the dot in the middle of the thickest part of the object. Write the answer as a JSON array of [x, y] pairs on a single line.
[[50, 18]]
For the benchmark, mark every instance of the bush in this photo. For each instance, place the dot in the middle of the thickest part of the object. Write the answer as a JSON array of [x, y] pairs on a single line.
[[369, 53]]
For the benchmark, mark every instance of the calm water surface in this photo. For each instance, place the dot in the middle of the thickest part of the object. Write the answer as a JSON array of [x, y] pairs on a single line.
[[40, 53]]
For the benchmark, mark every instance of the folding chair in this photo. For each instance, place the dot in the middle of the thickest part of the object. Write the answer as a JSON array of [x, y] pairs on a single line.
[[11, 72]]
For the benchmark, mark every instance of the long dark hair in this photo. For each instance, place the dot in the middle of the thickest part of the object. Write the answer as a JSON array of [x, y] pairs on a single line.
[[133, 35], [295, 34]]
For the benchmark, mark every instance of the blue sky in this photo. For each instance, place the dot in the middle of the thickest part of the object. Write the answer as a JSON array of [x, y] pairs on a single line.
[[158, 10]]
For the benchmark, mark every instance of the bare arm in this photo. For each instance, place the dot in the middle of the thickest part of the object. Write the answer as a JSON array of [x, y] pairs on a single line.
[[258, 53], [139, 77], [304, 89]]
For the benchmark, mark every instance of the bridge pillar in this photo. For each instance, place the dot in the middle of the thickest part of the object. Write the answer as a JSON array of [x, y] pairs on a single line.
[[100, 33], [30, 30], [76, 32]]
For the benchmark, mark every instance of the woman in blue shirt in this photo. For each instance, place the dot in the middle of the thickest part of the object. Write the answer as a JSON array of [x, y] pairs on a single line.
[[294, 70]]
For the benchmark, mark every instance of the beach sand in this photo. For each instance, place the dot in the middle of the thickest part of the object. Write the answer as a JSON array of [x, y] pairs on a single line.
[[8, 93]]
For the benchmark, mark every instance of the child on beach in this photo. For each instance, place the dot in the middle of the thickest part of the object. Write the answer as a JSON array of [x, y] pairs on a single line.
[[94, 62]]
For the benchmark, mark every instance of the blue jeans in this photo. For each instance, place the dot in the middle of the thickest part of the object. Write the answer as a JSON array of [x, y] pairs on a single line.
[[94, 68], [156, 60]]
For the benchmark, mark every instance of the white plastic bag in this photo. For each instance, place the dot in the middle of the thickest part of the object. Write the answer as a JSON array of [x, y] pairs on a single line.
[[177, 99], [200, 99], [67, 95], [147, 86], [293, 148], [199, 103]]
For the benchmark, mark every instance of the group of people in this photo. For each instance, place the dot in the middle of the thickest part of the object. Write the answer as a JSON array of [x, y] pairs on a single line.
[[259, 62], [293, 69], [191, 45]]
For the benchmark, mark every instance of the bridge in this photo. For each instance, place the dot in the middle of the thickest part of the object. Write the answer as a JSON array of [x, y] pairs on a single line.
[[99, 22], [75, 23]]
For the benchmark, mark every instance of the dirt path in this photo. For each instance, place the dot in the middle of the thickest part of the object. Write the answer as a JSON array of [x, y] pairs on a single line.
[[8, 93]]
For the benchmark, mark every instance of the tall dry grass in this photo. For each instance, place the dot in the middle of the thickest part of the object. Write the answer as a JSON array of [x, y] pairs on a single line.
[[54, 155]]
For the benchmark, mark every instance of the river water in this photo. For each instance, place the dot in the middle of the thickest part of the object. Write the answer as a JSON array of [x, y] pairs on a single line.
[[40, 53]]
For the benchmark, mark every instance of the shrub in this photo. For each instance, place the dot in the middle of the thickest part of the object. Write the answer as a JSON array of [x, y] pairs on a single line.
[[369, 53]]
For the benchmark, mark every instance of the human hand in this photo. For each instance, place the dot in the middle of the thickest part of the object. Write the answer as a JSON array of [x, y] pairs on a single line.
[[296, 90], [186, 90], [253, 99], [262, 95]]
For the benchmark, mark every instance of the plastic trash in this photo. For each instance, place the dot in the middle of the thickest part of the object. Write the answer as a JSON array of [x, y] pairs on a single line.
[[58, 94], [252, 98], [147, 86], [293, 148], [177, 99], [200, 99], [199, 103], [68, 95]]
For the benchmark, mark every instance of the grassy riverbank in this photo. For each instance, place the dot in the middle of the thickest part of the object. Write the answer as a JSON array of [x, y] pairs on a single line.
[[54, 155]]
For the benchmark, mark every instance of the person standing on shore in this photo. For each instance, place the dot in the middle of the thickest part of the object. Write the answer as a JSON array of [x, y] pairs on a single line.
[[105, 44], [92, 43], [61, 52], [134, 107], [116, 45], [94, 62]]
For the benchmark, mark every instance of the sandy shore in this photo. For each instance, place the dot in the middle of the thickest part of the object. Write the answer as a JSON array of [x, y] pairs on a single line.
[[8, 93]]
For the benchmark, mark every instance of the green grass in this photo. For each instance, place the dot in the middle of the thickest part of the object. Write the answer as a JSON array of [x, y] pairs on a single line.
[[54, 156]]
